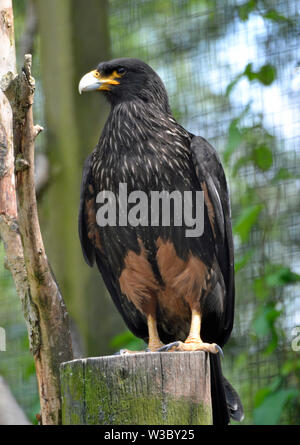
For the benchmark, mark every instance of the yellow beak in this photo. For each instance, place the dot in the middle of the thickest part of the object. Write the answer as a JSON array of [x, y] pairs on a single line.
[[95, 81]]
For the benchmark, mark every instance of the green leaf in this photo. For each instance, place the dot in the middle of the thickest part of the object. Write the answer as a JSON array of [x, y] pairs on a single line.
[[234, 139], [281, 276], [261, 395], [241, 162], [272, 345], [263, 157], [275, 16], [126, 340], [246, 221], [249, 73], [264, 321], [260, 288], [232, 84], [270, 409], [267, 74], [245, 9], [241, 360], [289, 367], [281, 175], [243, 261]]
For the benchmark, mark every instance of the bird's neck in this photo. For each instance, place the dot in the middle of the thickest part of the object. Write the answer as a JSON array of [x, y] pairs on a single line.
[[137, 126], [142, 146]]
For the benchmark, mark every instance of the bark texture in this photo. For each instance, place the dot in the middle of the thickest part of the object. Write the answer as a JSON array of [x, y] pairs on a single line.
[[9, 231], [43, 306], [54, 343], [73, 39]]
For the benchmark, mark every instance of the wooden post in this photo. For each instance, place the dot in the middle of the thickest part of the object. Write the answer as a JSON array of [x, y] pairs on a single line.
[[169, 388]]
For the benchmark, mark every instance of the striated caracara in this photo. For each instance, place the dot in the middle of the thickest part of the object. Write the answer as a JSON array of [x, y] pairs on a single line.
[[173, 286]]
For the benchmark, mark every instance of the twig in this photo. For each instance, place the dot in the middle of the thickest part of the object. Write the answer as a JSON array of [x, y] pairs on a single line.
[[55, 341]]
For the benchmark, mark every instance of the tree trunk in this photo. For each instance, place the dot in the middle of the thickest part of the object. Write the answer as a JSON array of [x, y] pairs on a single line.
[[74, 38], [42, 303], [138, 389], [9, 231]]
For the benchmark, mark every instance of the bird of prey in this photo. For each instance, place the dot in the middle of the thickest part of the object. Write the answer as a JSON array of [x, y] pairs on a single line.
[[174, 291]]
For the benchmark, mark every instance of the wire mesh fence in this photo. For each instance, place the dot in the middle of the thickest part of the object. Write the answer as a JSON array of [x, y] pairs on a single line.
[[201, 49]]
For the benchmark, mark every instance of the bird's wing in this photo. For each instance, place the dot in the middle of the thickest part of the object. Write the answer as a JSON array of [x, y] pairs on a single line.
[[85, 195], [93, 251], [211, 176]]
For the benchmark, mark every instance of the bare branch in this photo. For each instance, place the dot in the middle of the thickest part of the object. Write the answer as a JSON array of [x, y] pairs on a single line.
[[55, 341]]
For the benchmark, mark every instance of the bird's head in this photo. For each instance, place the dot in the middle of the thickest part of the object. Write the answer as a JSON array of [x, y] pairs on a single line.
[[124, 80]]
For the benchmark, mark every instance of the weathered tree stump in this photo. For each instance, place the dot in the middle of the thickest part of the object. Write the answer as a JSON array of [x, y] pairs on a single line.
[[170, 388]]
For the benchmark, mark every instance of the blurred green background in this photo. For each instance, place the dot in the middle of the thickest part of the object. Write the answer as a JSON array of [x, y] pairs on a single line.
[[232, 70]]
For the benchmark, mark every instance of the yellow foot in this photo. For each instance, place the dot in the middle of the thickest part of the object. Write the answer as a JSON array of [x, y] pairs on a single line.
[[192, 346]]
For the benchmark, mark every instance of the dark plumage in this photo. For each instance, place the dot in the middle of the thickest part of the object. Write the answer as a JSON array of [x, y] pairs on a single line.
[[159, 279]]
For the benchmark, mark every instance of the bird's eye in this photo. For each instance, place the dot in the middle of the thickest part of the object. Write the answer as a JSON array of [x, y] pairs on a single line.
[[121, 70]]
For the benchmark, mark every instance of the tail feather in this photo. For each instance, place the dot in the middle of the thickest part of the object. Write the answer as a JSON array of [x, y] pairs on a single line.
[[233, 402], [226, 403]]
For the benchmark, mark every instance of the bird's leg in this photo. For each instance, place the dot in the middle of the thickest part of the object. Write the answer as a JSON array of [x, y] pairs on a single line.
[[193, 341], [154, 343], [194, 334]]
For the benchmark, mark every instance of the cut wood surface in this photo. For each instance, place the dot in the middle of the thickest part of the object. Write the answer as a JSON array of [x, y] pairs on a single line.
[[137, 389]]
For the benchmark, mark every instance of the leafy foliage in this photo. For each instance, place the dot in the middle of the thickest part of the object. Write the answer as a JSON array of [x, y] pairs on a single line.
[[252, 148]]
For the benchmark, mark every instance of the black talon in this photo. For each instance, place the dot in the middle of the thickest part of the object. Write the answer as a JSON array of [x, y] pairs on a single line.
[[166, 348], [220, 350]]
